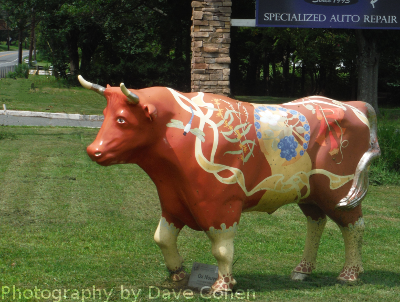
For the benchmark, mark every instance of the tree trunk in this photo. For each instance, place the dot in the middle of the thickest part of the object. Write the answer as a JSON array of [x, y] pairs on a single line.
[[20, 47], [55, 70], [266, 72], [88, 49], [285, 72], [303, 79], [34, 46], [368, 63], [8, 39], [72, 41], [8, 36], [322, 79], [31, 40], [251, 76], [275, 82], [293, 77], [313, 88], [353, 81]]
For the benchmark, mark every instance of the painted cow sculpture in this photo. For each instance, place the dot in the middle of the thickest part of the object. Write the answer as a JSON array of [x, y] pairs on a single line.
[[212, 158]]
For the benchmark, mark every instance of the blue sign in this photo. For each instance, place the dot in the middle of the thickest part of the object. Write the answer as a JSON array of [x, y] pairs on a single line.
[[362, 14]]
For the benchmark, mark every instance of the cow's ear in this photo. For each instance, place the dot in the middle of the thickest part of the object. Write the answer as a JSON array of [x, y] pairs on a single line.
[[108, 86], [150, 111]]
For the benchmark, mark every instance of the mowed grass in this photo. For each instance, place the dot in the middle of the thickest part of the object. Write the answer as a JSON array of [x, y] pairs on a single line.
[[46, 94], [69, 226]]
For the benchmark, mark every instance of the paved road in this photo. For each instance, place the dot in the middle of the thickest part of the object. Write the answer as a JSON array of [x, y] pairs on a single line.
[[10, 58]]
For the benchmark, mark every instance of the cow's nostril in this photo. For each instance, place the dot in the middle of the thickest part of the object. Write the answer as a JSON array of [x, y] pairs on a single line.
[[97, 154]]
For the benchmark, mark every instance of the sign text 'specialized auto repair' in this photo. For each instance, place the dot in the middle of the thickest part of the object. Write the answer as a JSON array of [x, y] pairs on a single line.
[[288, 17], [361, 14]]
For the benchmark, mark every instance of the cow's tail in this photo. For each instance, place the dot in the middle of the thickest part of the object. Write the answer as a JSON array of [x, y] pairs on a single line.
[[360, 182]]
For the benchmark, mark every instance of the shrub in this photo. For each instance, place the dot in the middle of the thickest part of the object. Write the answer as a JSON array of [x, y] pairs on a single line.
[[21, 71], [386, 169]]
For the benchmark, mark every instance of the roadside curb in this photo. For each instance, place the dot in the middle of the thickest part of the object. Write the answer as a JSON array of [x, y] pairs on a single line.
[[34, 118]]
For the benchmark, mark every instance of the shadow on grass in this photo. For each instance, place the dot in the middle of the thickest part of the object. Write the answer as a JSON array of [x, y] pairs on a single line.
[[377, 277], [267, 283]]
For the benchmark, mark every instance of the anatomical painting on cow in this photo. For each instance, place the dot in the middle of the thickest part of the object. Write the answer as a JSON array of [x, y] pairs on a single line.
[[213, 158]]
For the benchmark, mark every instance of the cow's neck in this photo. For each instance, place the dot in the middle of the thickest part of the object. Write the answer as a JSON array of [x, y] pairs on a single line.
[[163, 167]]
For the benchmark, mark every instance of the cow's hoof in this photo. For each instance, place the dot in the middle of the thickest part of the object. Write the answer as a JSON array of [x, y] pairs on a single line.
[[350, 274], [223, 284], [178, 275], [177, 279], [182, 283], [296, 276]]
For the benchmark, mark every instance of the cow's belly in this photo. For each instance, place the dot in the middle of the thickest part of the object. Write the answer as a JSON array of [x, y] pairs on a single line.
[[287, 184], [273, 200]]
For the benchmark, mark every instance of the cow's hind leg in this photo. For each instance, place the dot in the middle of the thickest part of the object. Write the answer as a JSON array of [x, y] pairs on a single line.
[[166, 237], [351, 225], [316, 221], [222, 250], [352, 235]]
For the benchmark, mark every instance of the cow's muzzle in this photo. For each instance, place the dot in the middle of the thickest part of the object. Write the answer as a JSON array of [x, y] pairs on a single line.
[[103, 157], [94, 152]]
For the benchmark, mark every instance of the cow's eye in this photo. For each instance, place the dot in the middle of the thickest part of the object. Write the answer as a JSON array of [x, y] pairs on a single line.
[[121, 120]]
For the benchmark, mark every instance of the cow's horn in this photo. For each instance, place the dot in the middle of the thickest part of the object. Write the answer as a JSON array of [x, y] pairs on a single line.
[[131, 96], [99, 89]]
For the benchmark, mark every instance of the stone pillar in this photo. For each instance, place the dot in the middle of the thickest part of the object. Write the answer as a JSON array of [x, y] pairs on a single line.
[[210, 46]]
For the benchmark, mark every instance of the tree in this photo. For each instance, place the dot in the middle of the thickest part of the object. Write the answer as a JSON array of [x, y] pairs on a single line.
[[21, 15], [32, 35], [18, 14], [293, 62], [139, 42], [368, 66]]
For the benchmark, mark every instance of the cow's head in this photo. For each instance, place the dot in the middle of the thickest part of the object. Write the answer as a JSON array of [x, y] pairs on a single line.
[[126, 125]]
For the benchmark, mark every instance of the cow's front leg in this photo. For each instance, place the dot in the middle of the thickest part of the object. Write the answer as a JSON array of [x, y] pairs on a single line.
[[315, 226], [166, 237], [222, 249], [353, 236]]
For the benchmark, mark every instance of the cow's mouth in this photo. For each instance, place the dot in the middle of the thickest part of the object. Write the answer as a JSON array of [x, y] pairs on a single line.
[[107, 161], [104, 161]]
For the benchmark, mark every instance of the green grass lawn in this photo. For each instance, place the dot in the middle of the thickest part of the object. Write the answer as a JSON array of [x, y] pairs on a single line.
[[45, 94], [67, 223], [69, 226], [50, 95]]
